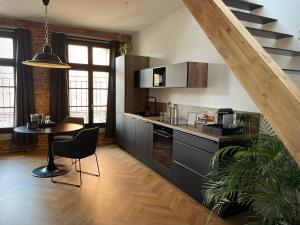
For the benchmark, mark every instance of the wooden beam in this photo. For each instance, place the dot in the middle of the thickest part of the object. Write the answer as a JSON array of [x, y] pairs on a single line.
[[270, 88]]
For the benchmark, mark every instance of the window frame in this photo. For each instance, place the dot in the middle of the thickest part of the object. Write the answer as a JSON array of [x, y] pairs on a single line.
[[9, 62], [90, 68]]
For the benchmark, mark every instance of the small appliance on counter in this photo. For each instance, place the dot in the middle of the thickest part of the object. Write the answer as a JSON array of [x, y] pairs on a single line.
[[225, 124], [225, 117]]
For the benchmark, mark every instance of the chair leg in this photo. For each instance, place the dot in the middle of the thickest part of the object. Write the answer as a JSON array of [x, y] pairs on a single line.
[[97, 165], [75, 162], [92, 174], [79, 172], [52, 180], [69, 184]]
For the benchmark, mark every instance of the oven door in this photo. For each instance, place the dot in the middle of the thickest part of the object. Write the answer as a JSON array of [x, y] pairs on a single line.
[[162, 148]]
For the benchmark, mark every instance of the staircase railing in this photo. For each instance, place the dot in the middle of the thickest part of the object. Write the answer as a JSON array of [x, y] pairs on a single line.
[[274, 93]]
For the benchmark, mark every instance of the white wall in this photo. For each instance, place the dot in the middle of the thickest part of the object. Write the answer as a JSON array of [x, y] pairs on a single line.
[[178, 38]]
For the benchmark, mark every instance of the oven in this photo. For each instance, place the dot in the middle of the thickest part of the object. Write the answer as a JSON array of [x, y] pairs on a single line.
[[162, 154]]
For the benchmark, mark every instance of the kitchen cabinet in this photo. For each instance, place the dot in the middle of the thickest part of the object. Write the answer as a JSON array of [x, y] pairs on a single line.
[[187, 75], [189, 181], [120, 139], [181, 75], [146, 78], [129, 135], [191, 155], [193, 158], [196, 142], [128, 98], [142, 140]]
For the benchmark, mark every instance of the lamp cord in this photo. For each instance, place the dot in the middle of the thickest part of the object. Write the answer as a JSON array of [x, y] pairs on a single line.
[[46, 25]]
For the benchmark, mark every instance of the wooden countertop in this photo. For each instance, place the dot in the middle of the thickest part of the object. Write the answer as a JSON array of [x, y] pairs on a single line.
[[197, 131]]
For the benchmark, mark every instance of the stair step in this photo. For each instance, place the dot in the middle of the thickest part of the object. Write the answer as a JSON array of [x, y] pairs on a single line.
[[252, 18], [242, 5], [267, 33], [293, 71], [279, 51]]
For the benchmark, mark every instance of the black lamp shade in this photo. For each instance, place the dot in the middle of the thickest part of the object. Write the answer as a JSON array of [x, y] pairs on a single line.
[[46, 59]]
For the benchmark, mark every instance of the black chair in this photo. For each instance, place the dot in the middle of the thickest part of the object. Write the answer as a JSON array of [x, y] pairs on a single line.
[[81, 146], [69, 136]]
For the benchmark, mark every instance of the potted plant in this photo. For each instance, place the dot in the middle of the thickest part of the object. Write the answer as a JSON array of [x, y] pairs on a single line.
[[263, 177], [125, 48]]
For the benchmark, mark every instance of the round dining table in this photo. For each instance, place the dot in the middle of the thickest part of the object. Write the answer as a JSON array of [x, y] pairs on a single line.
[[51, 169]]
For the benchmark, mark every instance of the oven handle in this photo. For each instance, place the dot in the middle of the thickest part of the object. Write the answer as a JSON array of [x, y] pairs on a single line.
[[163, 135]]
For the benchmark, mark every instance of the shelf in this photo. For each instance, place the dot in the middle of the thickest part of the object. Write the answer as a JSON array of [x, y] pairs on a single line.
[[252, 18], [291, 71], [267, 33], [279, 51], [242, 5]]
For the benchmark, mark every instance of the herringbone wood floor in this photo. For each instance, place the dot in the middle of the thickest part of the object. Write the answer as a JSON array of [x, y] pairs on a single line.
[[127, 193]]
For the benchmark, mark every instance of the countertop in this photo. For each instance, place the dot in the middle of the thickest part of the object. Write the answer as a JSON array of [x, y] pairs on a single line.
[[197, 131]]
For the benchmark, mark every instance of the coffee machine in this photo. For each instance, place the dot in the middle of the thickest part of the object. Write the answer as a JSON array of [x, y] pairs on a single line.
[[225, 117]]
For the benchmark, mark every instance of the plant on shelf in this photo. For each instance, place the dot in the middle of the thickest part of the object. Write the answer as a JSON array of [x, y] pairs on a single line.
[[125, 48], [263, 177]]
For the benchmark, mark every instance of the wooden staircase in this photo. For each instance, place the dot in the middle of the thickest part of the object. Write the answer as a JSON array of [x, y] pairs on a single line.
[[277, 97], [253, 18]]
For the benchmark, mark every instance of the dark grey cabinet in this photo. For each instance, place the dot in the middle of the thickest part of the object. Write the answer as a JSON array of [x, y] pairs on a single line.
[[188, 180], [191, 156], [129, 135], [196, 142], [120, 139], [142, 140]]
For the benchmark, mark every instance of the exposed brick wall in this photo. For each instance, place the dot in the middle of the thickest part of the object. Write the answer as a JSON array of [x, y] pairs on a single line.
[[40, 75]]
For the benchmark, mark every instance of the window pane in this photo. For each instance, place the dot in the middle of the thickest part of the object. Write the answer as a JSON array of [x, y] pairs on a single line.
[[100, 97], [7, 49], [99, 114], [6, 117], [78, 97], [82, 112], [78, 94], [78, 79], [101, 56], [7, 96], [78, 54], [100, 80]]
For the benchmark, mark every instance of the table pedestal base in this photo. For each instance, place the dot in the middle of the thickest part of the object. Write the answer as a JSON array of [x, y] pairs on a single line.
[[46, 172]]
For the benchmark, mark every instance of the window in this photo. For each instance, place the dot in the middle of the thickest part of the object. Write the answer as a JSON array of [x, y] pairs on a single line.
[[88, 80], [7, 80]]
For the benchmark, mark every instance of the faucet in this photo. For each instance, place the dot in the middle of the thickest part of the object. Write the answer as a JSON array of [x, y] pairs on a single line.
[[155, 103]]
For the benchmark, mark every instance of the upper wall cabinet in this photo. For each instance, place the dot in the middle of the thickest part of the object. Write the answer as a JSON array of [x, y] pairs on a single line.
[[145, 78], [182, 75]]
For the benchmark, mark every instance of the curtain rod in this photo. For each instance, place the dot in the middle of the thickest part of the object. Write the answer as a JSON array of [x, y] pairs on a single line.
[[8, 29], [87, 39]]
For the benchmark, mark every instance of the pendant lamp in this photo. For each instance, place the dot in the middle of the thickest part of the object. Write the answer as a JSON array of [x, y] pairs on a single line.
[[47, 58]]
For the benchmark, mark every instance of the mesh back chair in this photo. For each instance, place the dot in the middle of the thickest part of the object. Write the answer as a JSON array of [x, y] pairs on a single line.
[[69, 136], [81, 146]]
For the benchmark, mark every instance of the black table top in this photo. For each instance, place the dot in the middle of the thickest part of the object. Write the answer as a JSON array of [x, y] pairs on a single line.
[[59, 128]]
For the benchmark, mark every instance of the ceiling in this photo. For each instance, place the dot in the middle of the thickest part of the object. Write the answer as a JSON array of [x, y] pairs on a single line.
[[126, 16]]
